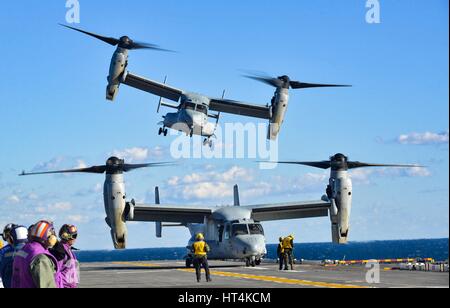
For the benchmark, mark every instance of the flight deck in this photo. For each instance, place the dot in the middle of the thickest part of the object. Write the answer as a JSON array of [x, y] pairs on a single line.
[[174, 274]]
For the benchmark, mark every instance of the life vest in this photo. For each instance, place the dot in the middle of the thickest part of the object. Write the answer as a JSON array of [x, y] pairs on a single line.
[[22, 278], [280, 248], [200, 248], [287, 243], [69, 268]]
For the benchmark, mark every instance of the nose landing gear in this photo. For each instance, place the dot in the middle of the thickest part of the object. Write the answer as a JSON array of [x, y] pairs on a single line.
[[253, 262], [163, 131], [208, 142]]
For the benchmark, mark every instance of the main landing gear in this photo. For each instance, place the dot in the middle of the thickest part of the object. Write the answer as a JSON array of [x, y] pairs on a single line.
[[163, 131], [253, 262], [208, 142]]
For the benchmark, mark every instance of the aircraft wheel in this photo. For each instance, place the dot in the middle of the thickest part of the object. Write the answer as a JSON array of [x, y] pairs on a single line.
[[166, 131], [253, 263], [258, 262], [247, 262], [188, 263], [160, 131]]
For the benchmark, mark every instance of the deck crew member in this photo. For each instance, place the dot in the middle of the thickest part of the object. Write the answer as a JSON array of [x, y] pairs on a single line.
[[288, 247], [280, 253], [34, 266], [200, 249], [16, 238], [67, 261]]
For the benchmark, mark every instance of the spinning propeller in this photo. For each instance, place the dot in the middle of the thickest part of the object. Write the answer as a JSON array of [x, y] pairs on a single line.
[[113, 165], [123, 42]]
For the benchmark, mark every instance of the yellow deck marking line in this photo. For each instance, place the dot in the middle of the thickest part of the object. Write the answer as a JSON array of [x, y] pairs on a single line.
[[280, 280], [137, 264]]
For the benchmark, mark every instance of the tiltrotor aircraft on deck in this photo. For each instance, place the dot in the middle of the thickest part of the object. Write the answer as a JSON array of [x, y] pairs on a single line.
[[233, 232], [193, 110]]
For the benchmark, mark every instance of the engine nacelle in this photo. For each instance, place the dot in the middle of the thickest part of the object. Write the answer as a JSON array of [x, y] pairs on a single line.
[[340, 211], [280, 103], [119, 63]]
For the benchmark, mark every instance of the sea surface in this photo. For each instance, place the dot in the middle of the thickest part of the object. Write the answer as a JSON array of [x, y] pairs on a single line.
[[426, 248]]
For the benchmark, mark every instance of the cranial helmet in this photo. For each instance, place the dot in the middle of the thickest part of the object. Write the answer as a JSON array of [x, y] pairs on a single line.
[[200, 237], [19, 235], [68, 232], [7, 231], [42, 232]]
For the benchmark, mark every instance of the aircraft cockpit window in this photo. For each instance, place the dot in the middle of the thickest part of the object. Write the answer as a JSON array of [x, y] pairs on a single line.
[[189, 106], [256, 229], [202, 109], [239, 229]]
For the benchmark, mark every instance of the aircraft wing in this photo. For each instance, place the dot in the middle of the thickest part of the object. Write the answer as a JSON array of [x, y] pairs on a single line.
[[240, 108], [293, 210], [153, 87], [166, 213]]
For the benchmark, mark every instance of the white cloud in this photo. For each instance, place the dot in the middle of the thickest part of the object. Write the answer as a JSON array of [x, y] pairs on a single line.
[[207, 191], [218, 185], [80, 164], [52, 164], [77, 219], [427, 138], [14, 199], [234, 174], [60, 206], [363, 175], [132, 154], [60, 162], [139, 154]]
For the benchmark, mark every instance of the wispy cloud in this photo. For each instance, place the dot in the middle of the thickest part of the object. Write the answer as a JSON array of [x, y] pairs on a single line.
[[364, 176], [217, 185], [13, 199], [139, 154], [58, 163], [427, 138]]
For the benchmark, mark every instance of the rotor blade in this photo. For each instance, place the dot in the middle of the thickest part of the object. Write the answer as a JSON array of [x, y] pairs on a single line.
[[108, 40], [319, 164], [141, 45], [303, 85], [94, 169], [357, 164], [274, 82], [130, 167]]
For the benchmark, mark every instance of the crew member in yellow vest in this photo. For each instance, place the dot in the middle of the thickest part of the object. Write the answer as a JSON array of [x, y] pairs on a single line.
[[280, 253], [288, 247], [200, 250]]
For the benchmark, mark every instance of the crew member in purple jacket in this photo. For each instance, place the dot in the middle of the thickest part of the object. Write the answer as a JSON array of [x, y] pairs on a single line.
[[67, 261], [34, 266]]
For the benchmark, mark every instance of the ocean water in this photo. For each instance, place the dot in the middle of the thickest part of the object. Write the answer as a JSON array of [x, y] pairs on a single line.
[[427, 248]]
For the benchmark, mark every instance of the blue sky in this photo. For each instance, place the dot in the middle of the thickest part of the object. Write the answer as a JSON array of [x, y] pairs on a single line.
[[54, 114]]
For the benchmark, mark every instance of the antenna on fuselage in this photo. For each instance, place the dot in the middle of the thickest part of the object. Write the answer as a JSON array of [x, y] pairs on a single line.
[[236, 196]]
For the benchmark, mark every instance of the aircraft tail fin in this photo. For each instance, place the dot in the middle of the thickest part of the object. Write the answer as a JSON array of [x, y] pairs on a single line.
[[158, 223], [236, 196]]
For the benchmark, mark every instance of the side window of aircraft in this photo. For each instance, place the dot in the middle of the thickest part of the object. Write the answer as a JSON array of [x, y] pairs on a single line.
[[221, 228], [239, 229], [256, 229], [227, 232], [202, 109], [190, 106]]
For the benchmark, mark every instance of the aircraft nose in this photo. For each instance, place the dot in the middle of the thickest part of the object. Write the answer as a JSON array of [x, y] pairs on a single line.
[[252, 247]]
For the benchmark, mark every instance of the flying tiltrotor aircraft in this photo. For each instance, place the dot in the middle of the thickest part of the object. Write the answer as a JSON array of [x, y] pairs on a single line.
[[193, 110], [233, 232]]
